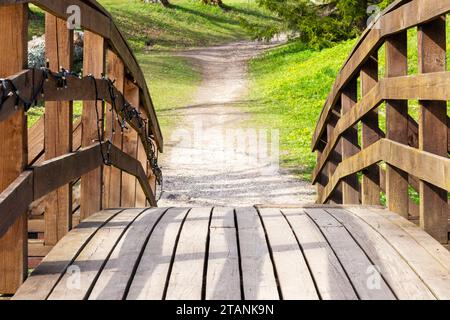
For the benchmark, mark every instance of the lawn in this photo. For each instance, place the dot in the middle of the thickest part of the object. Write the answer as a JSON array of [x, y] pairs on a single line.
[[154, 31]]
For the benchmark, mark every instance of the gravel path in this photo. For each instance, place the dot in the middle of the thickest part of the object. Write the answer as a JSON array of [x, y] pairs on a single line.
[[204, 164]]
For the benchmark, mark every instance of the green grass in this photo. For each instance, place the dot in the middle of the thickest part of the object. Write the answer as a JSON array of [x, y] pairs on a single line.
[[288, 88], [172, 80], [187, 23]]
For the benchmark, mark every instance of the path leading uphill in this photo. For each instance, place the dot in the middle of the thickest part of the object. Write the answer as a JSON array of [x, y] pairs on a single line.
[[212, 157]]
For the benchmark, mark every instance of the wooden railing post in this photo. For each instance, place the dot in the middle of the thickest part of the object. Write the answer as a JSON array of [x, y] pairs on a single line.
[[433, 128], [130, 138], [370, 185], [58, 128], [13, 146], [113, 176], [349, 145], [321, 181], [335, 156], [91, 183], [397, 124], [142, 157]]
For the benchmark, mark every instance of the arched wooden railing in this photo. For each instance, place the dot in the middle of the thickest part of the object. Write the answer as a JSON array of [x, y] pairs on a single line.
[[113, 148], [357, 161]]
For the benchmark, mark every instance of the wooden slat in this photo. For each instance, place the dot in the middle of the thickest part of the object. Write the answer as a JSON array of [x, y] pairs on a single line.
[[36, 141], [293, 273], [409, 14], [370, 133], [349, 145], [257, 269], [149, 281], [56, 172], [112, 177], [433, 128], [426, 166], [37, 248], [397, 124], [114, 278], [91, 183], [433, 273], [129, 146], [335, 157], [401, 278], [14, 200], [351, 256], [142, 157], [94, 19], [418, 87], [58, 128], [13, 146], [223, 279], [430, 244], [47, 274], [91, 259], [330, 278], [186, 277]]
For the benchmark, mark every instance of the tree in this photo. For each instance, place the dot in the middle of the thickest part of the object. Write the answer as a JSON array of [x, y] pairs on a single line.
[[321, 22]]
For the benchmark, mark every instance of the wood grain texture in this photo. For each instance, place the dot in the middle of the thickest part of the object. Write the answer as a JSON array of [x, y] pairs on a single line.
[[13, 149], [130, 146], [47, 274], [91, 183], [397, 124], [257, 268], [149, 281], [331, 280], [114, 278], [112, 177], [223, 279], [349, 145], [293, 273], [433, 128], [351, 256], [186, 278], [370, 133], [58, 128], [90, 261]]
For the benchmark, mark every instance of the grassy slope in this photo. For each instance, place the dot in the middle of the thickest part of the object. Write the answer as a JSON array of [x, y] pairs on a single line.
[[290, 85], [172, 80]]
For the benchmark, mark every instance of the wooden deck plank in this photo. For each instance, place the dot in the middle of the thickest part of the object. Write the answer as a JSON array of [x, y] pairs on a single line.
[[223, 278], [186, 278], [293, 273], [351, 256], [431, 271], [91, 259], [401, 278], [257, 269], [47, 274], [150, 278], [424, 239], [114, 278], [331, 279]]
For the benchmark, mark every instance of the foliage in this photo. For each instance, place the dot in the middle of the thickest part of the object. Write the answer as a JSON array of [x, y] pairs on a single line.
[[320, 23]]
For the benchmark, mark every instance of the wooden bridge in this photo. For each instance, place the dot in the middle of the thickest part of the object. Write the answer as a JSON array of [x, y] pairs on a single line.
[[116, 244]]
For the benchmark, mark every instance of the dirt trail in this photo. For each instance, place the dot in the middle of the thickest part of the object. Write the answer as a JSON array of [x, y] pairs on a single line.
[[203, 163]]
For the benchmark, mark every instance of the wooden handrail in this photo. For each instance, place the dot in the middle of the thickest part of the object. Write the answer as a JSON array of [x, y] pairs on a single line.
[[400, 17], [39, 180], [347, 168], [426, 166], [29, 81], [430, 86], [94, 18]]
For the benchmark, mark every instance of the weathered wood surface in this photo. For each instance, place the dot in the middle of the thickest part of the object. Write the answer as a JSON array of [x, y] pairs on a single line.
[[97, 20], [316, 252], [399, 17]]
